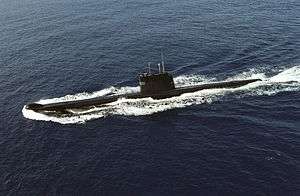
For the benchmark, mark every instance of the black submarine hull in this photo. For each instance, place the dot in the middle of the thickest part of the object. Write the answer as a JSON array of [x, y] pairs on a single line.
[[63, 107]]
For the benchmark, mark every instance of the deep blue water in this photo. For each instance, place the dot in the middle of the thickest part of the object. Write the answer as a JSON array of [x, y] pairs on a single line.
[[239, 142]]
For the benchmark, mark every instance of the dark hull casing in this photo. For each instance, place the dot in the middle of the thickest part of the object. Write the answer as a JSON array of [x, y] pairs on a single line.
[[98, 101]]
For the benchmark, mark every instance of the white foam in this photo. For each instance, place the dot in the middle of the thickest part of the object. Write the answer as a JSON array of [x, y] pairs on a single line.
[[286, 80], [288, 75], [187, 80]]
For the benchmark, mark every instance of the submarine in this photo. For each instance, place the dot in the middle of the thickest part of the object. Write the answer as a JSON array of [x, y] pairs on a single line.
[[159, 85]]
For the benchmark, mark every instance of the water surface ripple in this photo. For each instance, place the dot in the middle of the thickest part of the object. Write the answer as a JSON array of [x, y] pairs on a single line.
[[216, 142]]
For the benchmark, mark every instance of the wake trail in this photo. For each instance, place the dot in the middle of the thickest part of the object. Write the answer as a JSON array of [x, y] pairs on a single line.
[[286, 79]]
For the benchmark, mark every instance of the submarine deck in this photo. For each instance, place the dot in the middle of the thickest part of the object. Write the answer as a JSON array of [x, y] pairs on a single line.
[[63, 106]]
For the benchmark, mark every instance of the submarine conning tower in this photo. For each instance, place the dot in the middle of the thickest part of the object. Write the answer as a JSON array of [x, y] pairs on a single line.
[[157, 82]]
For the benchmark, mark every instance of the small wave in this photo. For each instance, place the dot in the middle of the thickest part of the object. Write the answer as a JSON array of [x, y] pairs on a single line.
[[285, 80]]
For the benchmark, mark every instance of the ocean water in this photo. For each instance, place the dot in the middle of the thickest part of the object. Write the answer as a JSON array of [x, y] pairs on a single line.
[[243, 141]]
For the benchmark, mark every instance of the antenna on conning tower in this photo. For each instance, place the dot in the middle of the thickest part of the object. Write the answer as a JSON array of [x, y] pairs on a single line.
[[149, 67], [162, 62], [159, 70]]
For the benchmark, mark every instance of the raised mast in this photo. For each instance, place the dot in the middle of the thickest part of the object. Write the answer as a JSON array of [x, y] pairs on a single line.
[[162, 63], [149, 67]]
